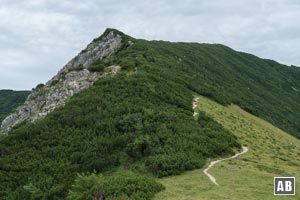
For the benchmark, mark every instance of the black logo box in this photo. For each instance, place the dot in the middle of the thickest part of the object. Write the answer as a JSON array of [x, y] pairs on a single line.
[[283, 183]]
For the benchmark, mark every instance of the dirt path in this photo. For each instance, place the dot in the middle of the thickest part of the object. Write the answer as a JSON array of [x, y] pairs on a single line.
[[212, 163], [195, 103]]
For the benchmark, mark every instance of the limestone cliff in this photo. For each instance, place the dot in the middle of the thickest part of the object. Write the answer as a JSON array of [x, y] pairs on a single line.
[[71, 79]]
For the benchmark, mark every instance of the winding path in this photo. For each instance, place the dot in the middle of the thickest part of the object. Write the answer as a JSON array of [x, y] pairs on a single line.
[[212, 163]]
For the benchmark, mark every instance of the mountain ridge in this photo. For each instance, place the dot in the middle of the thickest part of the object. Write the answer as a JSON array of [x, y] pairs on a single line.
[[140, 118], [82, 60]]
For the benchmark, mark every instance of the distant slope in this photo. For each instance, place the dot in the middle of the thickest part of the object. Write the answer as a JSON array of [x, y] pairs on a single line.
[[9, 100], [263, 87], [272, 152]]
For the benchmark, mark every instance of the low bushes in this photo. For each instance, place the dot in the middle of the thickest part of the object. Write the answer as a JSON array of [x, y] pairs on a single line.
[[118, 186]]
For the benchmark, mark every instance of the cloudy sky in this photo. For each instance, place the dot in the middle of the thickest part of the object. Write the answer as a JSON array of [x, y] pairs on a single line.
[[37, 37]]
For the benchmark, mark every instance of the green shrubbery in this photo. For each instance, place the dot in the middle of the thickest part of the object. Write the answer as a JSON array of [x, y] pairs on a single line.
[[119, 121], [9, 100], [174, 163], [262, 87], [118, 186], [39, 86], [97, 66], [100, 64], [79, 68], [191, 151], [54, 82]]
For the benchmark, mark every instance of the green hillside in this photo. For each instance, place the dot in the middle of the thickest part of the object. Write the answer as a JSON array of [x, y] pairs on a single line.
[[272, 152], [9, 100], [140, 121], [139, 124]]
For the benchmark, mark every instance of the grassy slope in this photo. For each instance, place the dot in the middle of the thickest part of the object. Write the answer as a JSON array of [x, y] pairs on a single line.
[[9, 100], [272, 152]]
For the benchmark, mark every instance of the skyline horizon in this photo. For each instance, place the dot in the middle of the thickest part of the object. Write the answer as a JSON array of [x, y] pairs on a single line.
[[38, 37]]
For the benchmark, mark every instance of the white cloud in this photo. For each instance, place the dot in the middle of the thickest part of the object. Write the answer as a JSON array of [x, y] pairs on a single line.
[[37, 37]]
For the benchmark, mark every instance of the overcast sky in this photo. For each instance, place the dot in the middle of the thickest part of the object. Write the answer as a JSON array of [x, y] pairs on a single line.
[[38, 37]]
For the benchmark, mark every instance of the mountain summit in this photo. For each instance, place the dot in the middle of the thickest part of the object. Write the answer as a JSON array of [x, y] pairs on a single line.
[[71, 79], [124, 111]]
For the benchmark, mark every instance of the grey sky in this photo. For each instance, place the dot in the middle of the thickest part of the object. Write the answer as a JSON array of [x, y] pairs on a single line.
[[37, 37]]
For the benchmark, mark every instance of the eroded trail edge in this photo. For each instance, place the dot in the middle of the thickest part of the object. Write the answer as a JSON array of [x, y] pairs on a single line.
[[212, 163]]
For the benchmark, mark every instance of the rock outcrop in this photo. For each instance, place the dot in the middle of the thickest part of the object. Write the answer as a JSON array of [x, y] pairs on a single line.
[[71, 79]]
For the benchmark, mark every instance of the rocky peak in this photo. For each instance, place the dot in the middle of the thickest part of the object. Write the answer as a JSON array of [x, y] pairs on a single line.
[[71, 79]]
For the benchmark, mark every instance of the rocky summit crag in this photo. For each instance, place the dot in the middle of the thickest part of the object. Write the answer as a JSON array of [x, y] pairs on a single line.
[[71, 79]]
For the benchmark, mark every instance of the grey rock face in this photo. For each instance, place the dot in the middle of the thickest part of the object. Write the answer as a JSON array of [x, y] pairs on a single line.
[[71, 79]]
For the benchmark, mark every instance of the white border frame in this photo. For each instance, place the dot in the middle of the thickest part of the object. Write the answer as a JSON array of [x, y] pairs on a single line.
[[285, 194]]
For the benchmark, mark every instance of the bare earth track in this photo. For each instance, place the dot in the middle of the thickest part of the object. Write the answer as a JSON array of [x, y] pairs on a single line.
[[195, 104], [212, 163]]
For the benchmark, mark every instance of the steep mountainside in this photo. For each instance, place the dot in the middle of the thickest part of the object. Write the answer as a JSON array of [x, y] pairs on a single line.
[[10, 100], [71, 79], [135, 113]]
